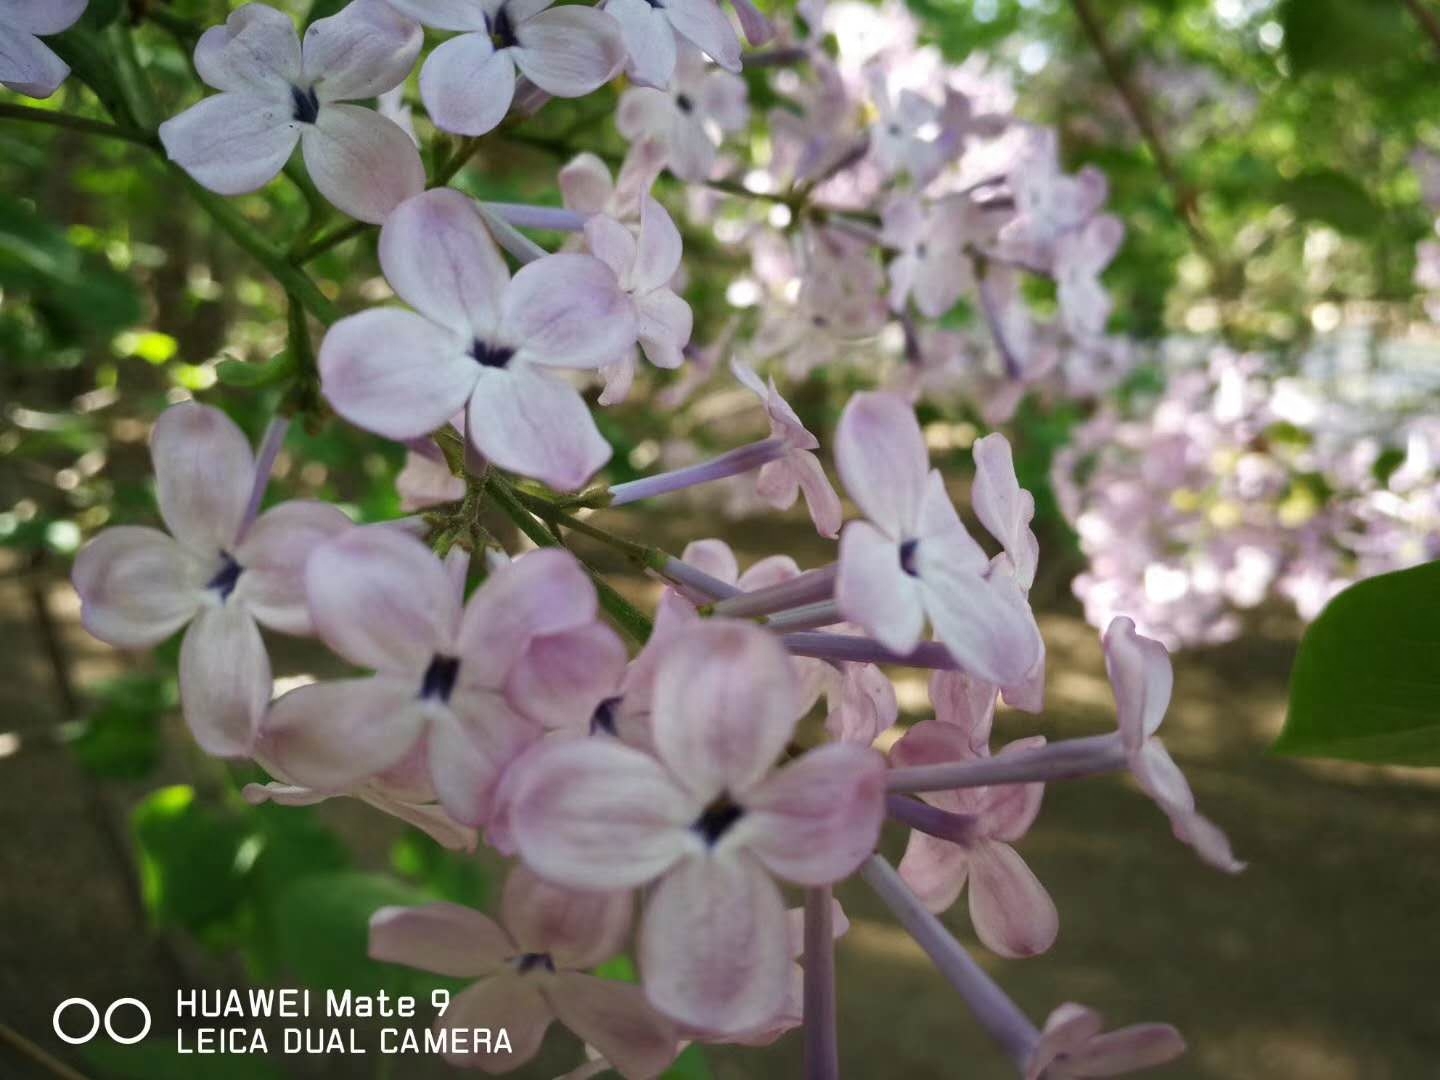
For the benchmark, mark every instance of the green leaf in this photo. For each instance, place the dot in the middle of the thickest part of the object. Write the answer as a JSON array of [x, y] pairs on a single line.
[[1366, 685], [449, 875], [690, 1065], [190, 859], [1333, 198], [1344, 36], [121, 737], [272, 371], [323, 931]]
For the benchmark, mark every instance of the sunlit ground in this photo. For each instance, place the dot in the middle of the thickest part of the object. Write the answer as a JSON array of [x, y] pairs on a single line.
[[1316, 963]]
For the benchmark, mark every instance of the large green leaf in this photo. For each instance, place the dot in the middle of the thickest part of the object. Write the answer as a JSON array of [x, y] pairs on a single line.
[[1333, 198], [1344, 36], [1366, 685], [191, 869]]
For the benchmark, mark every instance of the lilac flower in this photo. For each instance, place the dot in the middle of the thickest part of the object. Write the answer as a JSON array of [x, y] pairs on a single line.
[[444, 675], [216, 572], [690, 118], [1048, 204], [707, 822], [1072, 1047], [27, 66], [275, 93], [645, 264], [481, 341], [468, 83], [587, 187], [1140, 671], [913, 559], [531, 971], [1012, 913], [799, 471], [649, 31], [932, 262], [1080, 257]]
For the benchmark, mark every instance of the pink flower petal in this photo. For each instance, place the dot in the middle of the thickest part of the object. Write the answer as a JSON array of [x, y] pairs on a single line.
[[569, 51], [543, 592], [470, 749], [534, 423], [467, 86], [507, 1001], [585, 183], [659, 249], [1140, 1046], [330, 736], [883, 462], [1143, 679], [985, 623], [818, 818], [567, 310], [579, 930], [705, 25], [224, 680], [562, 677], [362, 51], [395, 373], [137, 586], [232, 143], [1003, 506], [594, 814], [444, 938], [713, 557], [874, 592], [771, 570], [381, 599], [712, 948], [936, 870], [758, 30], [726, 702], [867, 705], [943, 534], [664, 323], [966, 703], [273, 554], [821, 499], [42, 16], [440, 259], [204, 471], [1012, 913], [362, 162], [649, 40], [617, 1020], [256, 51]]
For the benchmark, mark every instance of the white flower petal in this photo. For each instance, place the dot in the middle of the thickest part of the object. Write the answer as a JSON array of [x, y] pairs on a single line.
[[363, 163]]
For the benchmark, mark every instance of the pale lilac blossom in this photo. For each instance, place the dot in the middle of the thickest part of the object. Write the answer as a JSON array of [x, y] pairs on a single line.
[[481, 341], [217, 573], [1073, 1047], [690, 118], [650, 31], [468, 83], [276, 92], [531, 969], [706, 821], [1080, 257]]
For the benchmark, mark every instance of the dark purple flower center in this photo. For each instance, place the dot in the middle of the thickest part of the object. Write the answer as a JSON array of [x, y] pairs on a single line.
[[907, 557], [227, 577], [684, 104], [438, 682], [306, 104], [602, 720], [502, 30], [528, 962], [487, 355], [715, 822]]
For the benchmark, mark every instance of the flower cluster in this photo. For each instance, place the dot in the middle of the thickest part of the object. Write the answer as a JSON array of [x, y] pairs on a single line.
[[693, 774]]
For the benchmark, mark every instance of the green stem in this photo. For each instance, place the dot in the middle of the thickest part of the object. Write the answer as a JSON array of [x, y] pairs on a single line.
[[644, 556], [559, 147], [32, 115], [626, 615], [139, 98], [294, 280]]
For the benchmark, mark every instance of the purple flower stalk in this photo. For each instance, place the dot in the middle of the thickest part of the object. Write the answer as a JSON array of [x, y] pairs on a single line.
[[742, 459], [942, 824], [524, 216], [264, 463], [809, 588], [682, 573], [998, 1015], [806, 617], [822, 1048], [1067, 760], [847, 647]]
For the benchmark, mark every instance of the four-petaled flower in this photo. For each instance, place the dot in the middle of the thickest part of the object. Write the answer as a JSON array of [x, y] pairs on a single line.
[[707, 821], [27, 65], [468, 83], [1073, 1047], [1141, 674], [690, 118], [531, 969], [274, 92], [1010, 909], [481, 339], [915, 559], [650, 26], [215, 571], [443, 674]]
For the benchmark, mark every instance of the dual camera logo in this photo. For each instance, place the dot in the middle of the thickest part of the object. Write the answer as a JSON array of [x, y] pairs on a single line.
[[85, 1006]]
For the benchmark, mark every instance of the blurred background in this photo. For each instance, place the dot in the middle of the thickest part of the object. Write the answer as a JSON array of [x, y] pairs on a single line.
[[1274, 299]]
